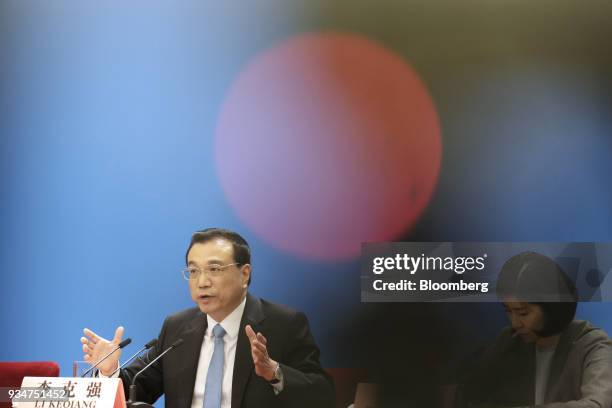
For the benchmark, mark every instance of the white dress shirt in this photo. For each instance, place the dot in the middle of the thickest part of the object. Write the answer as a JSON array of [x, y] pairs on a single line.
[[231, 324]]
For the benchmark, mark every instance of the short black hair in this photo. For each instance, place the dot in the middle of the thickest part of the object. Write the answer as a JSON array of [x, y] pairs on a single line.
[[242, 251], [535, 278]]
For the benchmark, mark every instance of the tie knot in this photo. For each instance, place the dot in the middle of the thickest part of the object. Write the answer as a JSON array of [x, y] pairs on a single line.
[[218, 331]]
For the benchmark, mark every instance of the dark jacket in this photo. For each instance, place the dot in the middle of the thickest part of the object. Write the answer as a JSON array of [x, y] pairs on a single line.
[[580, 373], [289, 342]]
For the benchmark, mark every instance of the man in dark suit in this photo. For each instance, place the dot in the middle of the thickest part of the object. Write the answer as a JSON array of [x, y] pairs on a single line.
[[238, 350]]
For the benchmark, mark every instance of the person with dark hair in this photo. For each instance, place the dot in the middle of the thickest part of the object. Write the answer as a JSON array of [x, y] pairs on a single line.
[[545, 358], [238, 350]]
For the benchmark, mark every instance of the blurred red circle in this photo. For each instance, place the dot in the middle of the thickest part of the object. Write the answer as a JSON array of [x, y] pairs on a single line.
[[325, 141]]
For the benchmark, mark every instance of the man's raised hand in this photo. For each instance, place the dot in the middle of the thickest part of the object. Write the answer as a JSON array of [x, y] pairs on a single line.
[[264, 365], [96, 347]]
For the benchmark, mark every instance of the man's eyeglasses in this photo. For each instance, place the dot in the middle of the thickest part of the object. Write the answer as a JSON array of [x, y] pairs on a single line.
[[214, 270]]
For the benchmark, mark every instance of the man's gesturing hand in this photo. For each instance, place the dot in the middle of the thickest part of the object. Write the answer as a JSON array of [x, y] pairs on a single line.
[[96, 347], [264, 365]]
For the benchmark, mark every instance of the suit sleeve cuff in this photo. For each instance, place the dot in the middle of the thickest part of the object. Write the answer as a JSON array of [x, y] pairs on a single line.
[[278, 387]]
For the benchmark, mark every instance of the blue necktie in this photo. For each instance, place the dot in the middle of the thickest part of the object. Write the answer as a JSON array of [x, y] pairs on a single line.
[[214, 378]]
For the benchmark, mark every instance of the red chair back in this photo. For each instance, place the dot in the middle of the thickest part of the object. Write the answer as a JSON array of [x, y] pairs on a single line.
[[12, 373]]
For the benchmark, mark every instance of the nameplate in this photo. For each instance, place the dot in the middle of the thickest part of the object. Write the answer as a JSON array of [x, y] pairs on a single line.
[[70, 392]]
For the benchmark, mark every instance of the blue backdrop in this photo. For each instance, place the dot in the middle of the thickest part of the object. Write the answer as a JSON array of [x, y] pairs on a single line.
[[109, 120]]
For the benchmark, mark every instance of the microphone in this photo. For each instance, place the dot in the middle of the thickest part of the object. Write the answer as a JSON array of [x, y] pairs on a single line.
[[119, 346], [146, 347], [132, 400]]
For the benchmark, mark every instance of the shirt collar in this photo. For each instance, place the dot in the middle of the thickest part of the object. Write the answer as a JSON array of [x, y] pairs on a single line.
[[231, 323]]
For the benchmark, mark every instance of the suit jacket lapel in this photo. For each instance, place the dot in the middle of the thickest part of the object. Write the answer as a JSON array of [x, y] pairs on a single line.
[[189, 356], [243, 364]]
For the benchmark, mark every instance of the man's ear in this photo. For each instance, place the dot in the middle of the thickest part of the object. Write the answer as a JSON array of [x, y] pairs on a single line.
[[246, 274]]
